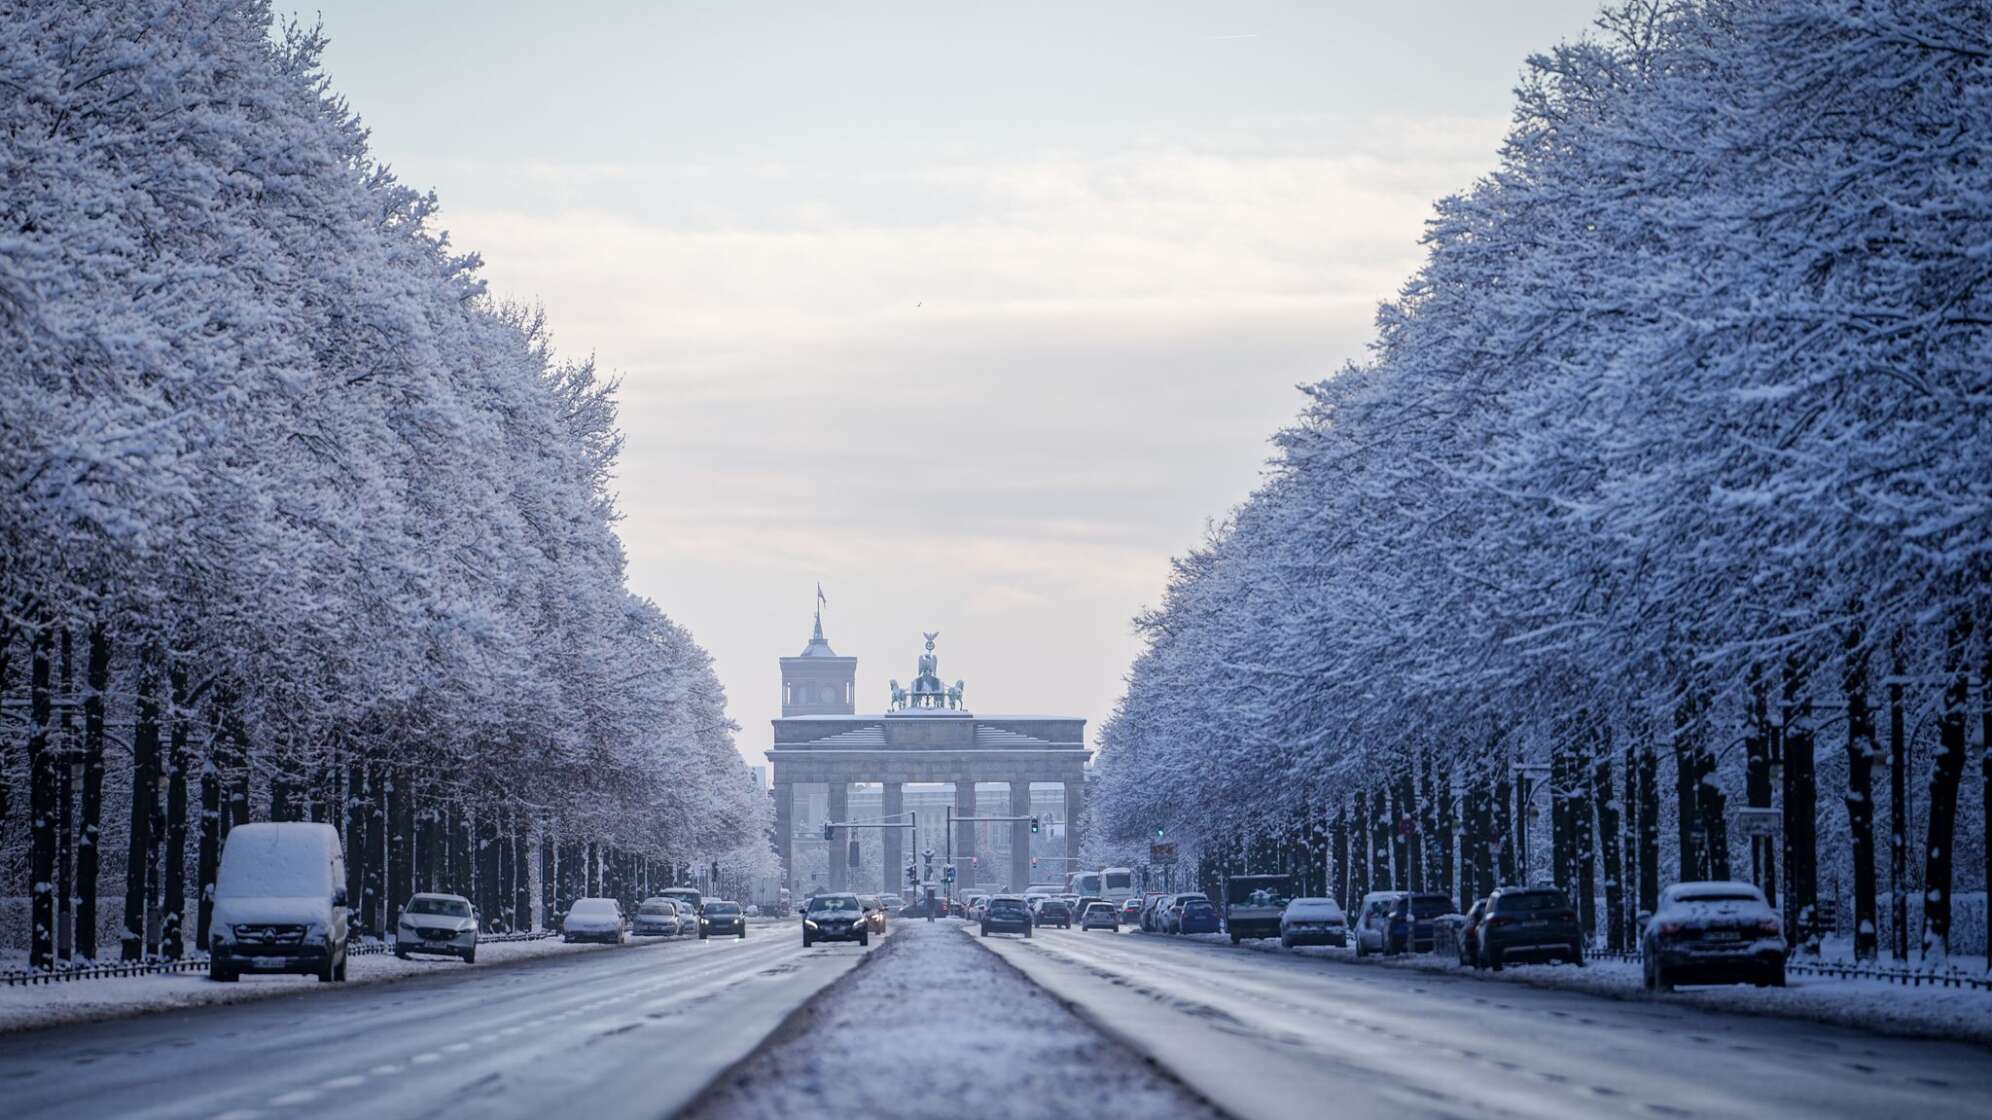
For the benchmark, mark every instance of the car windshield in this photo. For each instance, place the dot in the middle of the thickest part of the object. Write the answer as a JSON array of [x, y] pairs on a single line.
[[1197, 906], [833, 902], [656, 908], [1430, 905], [1524, 901], [1054, 904], [591, 907], [1717, 896], [1101, 909], [721, 909], [446, 907]]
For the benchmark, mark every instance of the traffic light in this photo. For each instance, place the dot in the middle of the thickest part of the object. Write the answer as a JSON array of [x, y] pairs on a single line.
[[1033, 861], [948, 875], [912, 873], [1158, 832], [827, 830], [1034, 826]]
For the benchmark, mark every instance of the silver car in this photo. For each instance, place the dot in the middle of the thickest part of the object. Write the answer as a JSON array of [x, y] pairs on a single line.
[[437, 923], [661, 917]]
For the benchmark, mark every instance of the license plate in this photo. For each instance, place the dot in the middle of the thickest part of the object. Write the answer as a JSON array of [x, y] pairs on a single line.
[[1722, 935], [1536, 922]]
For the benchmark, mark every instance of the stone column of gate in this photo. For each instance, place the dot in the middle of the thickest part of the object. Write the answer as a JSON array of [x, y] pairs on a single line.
[[892, 878], [785, 831], [965, 833], [1020, 834], [840, 810], [1075, 793]]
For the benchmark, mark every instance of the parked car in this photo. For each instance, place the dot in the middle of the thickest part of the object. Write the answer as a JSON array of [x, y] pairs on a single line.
[[595, 919], [280, 902], [1197, 915], [1411, 922], [437, 923], [1098, 914], [1528, 923], [1005, 913], [1149, 903], [1314, 921], [1053, 912], [874, 912], [972, 905], [1469, 933], [1713, 933], [1372, 927], [722, 916], [658, 917], [1130, 910], [1168, 916], [835, 917], [1254, 904]]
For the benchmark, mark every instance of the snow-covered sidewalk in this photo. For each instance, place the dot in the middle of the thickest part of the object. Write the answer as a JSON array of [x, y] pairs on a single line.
[[75, 1001], [1960, 1014], [931, 1024]]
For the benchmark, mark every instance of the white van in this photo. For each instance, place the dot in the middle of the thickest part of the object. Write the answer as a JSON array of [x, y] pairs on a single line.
[[280, 902]]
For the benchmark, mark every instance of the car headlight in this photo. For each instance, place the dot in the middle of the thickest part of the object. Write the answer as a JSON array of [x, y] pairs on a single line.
[[809, 923]]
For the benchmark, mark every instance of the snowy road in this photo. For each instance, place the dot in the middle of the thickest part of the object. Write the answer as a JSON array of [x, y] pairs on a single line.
[[632, 1032], [1257, 1032]]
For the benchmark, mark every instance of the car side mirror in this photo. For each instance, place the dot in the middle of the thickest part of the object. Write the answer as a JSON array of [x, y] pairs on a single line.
[[1645, 916], [339, 896]]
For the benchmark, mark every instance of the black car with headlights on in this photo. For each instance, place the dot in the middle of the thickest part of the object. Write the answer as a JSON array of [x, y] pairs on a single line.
[[722, 917], [835, 917]]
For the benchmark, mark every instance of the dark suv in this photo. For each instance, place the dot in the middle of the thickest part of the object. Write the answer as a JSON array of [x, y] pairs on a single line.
[[1006, 914], [1528, 923], [1411, 928], [1052, 912]]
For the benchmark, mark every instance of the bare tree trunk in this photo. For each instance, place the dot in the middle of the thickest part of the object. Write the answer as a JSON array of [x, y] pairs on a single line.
[[1340, 832], [1758, 744], [522, 867], [41, 799], [1440, 796], [373, 882], [1649, 825], [1687, 782], [65, 804], [488, 885], [1510, 818], [1862, 750], [173, 921], [1606, 800], [1946, 771], [1898, 804], [212, 820], [400, 849], [97, 680], [1379, 841], [144, 802], [1359, 861]]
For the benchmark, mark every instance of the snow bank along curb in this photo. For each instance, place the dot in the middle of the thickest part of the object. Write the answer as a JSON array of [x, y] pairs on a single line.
[[927, 1029], [1950, 1014], [48, 1005]]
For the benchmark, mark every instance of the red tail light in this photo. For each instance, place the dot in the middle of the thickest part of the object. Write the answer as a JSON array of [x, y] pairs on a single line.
[[1495, 920], [1566, 916], [1669, 929], [1768, 925]]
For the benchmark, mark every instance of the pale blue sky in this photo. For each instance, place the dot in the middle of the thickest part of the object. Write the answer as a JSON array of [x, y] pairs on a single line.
[[975, 313]]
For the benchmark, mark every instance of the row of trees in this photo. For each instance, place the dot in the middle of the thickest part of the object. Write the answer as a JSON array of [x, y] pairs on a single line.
[[300, 523], [1664, 489]]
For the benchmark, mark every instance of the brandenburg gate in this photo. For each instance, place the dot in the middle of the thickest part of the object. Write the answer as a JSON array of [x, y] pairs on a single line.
[[925, 735]]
